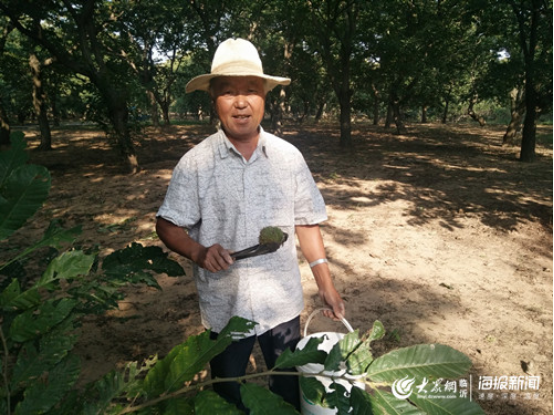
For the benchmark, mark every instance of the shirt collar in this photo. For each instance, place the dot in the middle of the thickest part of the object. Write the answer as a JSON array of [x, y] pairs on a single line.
[[226, 147]]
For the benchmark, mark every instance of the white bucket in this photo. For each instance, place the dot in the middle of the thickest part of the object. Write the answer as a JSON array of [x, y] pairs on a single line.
[[329, 340]]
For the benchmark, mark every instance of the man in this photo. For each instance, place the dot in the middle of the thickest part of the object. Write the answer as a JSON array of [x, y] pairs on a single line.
[[222, 193]]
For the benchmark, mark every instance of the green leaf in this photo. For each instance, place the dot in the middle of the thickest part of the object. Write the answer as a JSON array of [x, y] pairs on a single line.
[[447, 406], [237, 328], [14, 157], [130, 263], [341, 350], [71, 404], [12, 298], [377, 332], [261, 401], [359, 360], [361, 357], [53, 237], [185, 360], [31, 364], [425, 360], [393, 405], [363, 404], [208, 402], [51, 387], [36, 322], [309, 354], [23, 193], [313, 390], [175, 406], [101, 393], [69, 265], [194, 355], [338, 398]]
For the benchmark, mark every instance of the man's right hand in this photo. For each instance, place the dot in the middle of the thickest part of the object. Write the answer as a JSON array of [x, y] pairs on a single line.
[[214, 259]]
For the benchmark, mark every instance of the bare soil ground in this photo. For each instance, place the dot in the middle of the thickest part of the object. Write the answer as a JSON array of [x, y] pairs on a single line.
[[441, 234]]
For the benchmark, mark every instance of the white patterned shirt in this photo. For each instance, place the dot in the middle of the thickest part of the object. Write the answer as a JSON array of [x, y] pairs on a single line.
[[220, 197]]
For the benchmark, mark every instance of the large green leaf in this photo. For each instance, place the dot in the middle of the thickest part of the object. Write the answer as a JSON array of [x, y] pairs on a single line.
[[23, 193], [174, 406], [50, 388], [12, 298], [101, 394], [313, 390], [363, 404], [377, 332], [338, 398], [185, 360], [69, 265], [208, 402], [14, 157], [261, 401], [53, 237], [308, 354], [32, 363], [424, 360], [131, 262], [34, 323], [359, 360], [447, 406], [341, 350]]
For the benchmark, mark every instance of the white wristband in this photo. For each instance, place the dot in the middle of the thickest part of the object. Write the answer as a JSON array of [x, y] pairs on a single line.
[[317, 262]]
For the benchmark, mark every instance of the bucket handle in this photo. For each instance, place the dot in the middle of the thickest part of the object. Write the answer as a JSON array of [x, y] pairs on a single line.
[[317, 310]]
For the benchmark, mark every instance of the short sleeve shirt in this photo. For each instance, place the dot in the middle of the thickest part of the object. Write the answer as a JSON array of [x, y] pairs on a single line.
[[220, 197]]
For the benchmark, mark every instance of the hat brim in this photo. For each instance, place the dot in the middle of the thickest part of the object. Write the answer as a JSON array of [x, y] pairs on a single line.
[[202, 82]]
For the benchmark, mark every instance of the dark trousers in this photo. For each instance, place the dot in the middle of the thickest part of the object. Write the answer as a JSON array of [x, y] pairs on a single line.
[[233, 361]]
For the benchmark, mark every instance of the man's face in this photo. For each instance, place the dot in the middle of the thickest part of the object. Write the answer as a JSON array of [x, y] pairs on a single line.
[[239, 103]]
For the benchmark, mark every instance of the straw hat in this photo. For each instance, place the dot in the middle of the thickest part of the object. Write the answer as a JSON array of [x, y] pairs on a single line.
[[235, 57]]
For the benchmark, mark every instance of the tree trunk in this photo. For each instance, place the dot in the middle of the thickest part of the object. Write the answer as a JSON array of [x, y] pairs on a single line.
[[39, 104], [320, 110], [116, 101], [5, 129], [345, 124], [424, 114], [529, 41], [397, 114], [165, 112], [376, 97], [473, 114], [56, 118], [390, 116], [444, 119], [153, 108], [164, 101], [125, 145], [278, 111], [528, 135], [399, 119], [517, 105]]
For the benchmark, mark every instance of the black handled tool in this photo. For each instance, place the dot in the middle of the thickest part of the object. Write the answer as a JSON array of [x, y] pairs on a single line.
[[260, 249]]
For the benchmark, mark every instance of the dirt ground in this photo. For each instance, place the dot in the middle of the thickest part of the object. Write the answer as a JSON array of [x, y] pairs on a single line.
[[441, 234]]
